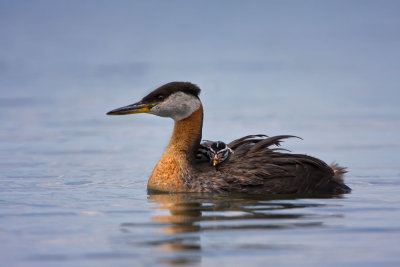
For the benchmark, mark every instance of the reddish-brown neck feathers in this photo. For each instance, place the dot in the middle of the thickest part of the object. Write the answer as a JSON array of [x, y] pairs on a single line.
[[173, 167]]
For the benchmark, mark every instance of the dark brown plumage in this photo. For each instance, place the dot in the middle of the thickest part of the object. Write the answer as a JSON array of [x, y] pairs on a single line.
[[257, 165]]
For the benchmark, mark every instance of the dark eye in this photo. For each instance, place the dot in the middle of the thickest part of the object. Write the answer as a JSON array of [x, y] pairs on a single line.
[[160, 97]]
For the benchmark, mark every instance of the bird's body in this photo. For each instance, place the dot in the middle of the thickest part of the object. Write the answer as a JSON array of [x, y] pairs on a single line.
[[256, 166]]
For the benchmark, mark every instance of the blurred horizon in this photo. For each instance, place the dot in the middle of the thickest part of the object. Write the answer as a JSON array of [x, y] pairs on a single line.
[[341, 51]]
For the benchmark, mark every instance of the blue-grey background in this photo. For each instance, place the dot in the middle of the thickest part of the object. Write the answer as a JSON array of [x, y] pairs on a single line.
[[327, 71]]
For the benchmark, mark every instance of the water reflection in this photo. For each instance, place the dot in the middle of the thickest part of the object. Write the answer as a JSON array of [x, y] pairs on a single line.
[[189, 216], [190, 212]]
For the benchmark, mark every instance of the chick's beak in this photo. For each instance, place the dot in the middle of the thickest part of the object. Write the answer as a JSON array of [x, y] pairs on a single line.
[[138, 107], [216, 159]]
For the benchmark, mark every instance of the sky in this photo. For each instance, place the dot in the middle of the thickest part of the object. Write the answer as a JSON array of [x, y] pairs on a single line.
[[335, 53]]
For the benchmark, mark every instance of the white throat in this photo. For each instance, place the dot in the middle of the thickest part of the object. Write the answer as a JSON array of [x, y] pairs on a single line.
[[177, 106]]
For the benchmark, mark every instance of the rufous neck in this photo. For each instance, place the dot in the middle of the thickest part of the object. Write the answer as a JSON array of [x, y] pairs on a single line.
[[186, 135]]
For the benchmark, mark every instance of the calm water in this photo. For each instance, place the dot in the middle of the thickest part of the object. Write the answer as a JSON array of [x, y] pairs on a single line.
[[73, 181], [73, 193]]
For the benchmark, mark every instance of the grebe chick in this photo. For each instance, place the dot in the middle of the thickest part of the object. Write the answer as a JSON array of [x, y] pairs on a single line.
[[216, 152], [257, 165]]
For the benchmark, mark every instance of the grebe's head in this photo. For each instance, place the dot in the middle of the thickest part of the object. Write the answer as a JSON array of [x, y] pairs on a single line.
[[216, 151], [176, 100], [219, 152]]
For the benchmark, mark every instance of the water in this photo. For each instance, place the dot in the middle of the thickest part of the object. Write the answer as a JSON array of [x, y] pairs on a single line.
[[73, 181], [73, 193]]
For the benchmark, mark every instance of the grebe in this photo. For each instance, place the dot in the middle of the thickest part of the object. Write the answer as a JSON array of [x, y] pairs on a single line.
[[256, 166], [215, 152]]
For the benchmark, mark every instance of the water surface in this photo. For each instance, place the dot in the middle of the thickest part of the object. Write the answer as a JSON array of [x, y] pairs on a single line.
[[73, 181], [73, 192]]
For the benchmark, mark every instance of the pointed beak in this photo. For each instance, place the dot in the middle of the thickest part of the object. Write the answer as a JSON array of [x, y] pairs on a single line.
[[138, 107], [216, 159]]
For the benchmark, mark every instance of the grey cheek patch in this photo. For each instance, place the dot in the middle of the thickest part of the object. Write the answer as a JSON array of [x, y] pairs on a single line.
[[177, 106]]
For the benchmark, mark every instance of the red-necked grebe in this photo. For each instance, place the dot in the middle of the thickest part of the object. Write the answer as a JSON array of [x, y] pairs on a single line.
[[256, 166]]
